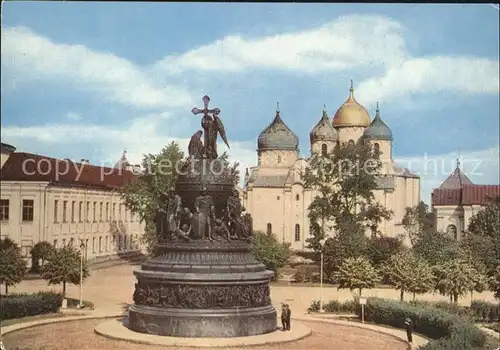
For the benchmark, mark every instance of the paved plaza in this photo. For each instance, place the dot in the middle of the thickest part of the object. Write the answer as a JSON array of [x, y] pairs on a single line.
[[80, 335]]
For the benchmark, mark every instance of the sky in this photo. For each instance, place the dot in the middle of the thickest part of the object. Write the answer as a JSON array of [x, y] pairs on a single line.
[[90, 79]]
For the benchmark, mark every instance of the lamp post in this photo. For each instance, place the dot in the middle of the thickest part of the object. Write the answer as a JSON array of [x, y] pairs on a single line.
[[322, 244], [82, 246]]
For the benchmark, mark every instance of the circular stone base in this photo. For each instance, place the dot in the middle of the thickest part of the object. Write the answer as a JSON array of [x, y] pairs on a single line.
[[117, 329]]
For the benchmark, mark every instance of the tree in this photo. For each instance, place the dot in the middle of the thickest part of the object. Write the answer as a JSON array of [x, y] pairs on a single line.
[[480, 250], [409, 273], [356, 273], [63, 266], [341, 247], [12, 264], [436, 247], [495, 282], [270, 252], [381, 248], [484, 229], [418, 219], [7, 243], [456, 278], [142, 196], [344, 181], [40, 251]]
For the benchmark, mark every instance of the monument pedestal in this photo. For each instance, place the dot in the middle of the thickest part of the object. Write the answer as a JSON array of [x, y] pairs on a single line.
[[203, 289]]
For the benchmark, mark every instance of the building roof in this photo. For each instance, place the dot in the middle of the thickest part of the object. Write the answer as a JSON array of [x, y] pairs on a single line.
[[277, 136], [6, 148], [378, 130], [467, 195], [351, 113], [457, 179], [32, 167], [323, 130]]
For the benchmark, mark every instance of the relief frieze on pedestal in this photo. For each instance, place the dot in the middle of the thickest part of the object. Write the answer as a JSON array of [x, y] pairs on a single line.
[[202, 296]]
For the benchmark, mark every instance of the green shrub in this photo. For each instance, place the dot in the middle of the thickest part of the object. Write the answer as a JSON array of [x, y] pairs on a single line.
[[299, 276], [479, 311], [306, 273], [451, 331], [22, 305], [335, 306], [483, 311]]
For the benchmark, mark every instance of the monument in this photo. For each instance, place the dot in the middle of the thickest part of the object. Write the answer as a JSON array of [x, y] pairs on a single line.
[[203, 280]]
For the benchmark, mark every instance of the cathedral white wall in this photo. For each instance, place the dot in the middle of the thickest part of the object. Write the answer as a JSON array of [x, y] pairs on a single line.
[[277, 158], [350, 133]]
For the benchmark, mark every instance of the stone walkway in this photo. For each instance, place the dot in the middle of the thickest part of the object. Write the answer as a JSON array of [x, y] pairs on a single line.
[[115, 329]]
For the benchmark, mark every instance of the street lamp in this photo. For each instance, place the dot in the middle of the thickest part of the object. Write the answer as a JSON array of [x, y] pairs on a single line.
[[322, 244], [82, 246]]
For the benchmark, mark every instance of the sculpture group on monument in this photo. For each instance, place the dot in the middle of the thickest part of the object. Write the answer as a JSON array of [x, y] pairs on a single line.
[[203, 280], [180, 222]]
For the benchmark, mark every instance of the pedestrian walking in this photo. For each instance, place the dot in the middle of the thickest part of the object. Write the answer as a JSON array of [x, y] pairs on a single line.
[[409, 330]]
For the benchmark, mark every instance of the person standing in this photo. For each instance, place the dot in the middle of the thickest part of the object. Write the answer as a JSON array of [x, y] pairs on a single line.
[[409, 330], [288, 317], [283, 317]]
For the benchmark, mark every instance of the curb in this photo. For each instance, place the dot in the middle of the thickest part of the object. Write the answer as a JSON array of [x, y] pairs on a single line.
[[30, 324]]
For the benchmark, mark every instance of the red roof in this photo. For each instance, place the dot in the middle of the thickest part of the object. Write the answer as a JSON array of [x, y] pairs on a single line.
[[467, 195], [457, 179], [32, 167]]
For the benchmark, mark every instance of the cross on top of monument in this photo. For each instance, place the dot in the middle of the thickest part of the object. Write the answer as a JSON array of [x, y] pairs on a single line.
[[205, 110]]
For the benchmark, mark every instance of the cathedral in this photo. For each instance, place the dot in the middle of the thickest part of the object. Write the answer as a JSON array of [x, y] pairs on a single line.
[[274, 193]]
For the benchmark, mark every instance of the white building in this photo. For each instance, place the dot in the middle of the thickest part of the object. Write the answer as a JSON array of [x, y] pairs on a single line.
[[457, 200], [62, 202]]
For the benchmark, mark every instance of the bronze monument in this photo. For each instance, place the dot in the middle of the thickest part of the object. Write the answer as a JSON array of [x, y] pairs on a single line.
[[203, 280]]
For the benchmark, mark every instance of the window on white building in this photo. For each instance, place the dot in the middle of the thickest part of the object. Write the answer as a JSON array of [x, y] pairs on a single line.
[[28, 209], [4, 210]]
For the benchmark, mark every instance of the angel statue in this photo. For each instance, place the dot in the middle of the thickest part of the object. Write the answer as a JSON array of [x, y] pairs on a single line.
[[211, 127]]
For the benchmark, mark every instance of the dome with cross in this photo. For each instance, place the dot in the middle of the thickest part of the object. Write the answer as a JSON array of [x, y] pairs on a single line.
[[277, 136]]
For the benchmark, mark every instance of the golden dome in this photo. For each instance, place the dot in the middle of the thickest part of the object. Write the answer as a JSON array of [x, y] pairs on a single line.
[[351, 113]]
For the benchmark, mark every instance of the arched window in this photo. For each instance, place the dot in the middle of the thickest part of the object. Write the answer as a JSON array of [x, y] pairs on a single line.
[[297, 197], [297, 233], [351, 142], [452, 231], [279, 159], [324, 150], [376, 147], [269, 229]]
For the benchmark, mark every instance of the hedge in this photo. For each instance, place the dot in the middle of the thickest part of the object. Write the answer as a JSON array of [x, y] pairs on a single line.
[[22, 305], [451, 331], [479, 311], [348, 306]]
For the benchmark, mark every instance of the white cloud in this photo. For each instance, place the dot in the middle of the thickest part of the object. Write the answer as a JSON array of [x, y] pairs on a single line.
[[35, 57], [482, 167], [430, 75], [345, 43]]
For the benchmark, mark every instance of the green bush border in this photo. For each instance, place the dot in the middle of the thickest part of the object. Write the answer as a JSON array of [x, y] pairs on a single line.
[[22, 305]]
